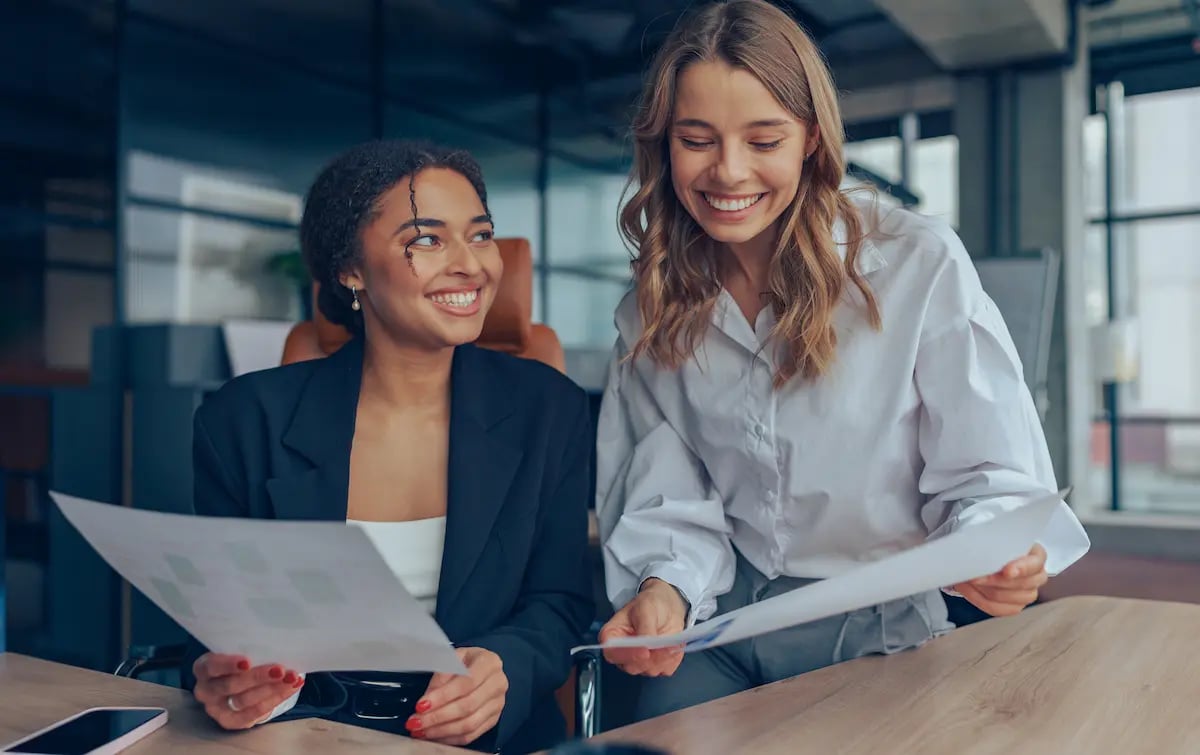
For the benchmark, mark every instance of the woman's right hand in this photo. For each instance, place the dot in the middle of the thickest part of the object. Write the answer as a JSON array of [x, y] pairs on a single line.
[[237, 696], [656, 609]]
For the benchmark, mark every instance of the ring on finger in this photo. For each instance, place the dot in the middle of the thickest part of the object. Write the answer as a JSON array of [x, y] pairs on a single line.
[[232, 705]]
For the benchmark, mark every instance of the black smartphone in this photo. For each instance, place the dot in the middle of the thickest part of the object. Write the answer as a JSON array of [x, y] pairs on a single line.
[[96, 731]]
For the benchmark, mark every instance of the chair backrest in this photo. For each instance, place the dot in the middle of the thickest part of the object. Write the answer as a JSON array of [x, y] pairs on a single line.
[[1024, 288], [508, 326]]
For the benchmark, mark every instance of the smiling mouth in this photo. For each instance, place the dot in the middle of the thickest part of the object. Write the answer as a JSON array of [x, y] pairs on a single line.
[[458, 299], [732, 204]]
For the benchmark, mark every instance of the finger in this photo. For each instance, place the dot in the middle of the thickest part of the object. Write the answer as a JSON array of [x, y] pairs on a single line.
[[471, 724], [212, 665], [232, 720], [236, 684], [664, 662], [627, 656], [272, 693], [1011, 597], [986, 604], [1026, 565], [457, 688], [439, 680], [1031, 582]]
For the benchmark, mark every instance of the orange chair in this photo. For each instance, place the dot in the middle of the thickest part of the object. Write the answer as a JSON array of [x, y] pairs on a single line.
[[508, 326]]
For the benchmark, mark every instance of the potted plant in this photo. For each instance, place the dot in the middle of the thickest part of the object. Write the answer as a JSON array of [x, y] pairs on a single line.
[[290, 266]]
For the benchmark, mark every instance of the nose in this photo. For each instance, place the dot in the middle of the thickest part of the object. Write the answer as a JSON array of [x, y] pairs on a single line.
[[732, 166], [463, 260]]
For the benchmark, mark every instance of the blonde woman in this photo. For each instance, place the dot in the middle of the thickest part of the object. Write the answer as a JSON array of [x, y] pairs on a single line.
[[801, 383]]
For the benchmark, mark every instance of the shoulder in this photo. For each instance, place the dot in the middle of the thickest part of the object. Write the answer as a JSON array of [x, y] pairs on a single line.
[[265, 392], [907, 237], [535, 386], [628, 318], [921, 253]]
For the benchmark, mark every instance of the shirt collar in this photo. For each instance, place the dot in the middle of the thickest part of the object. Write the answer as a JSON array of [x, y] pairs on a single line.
[[869, 257], [729, 319]]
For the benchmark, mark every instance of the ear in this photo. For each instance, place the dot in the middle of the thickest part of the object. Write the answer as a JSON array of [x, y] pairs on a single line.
[[812, 140], [352, 278]]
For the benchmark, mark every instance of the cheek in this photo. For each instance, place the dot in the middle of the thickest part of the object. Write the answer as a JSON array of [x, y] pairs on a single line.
[[783, 175], [396, 280], [685, 169]]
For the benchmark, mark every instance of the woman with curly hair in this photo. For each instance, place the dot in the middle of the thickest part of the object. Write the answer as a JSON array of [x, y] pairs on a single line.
[[803, 381], [469, 469]]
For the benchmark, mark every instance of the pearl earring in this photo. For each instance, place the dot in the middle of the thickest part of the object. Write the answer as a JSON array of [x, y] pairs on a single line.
[[355, 305]]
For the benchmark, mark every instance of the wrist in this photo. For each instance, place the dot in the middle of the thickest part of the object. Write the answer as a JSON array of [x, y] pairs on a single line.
[[666, 588]]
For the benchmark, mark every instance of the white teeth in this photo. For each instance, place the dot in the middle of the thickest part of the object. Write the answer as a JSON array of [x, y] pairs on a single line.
[[463, 299], [732, 205]]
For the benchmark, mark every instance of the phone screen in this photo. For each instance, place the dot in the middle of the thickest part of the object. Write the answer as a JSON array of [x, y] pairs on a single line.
[[93, 729]]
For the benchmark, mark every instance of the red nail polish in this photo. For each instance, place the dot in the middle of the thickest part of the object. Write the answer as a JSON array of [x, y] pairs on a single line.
[[413, 724], [276, 672], [424, 706], [243, 665], [419, 734], [289, 678]]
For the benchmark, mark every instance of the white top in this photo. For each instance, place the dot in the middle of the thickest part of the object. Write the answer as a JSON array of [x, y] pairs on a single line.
[[413, 551], [914, 431]]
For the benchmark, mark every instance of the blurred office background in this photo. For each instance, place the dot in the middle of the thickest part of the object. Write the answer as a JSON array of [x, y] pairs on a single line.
[[154, 156]]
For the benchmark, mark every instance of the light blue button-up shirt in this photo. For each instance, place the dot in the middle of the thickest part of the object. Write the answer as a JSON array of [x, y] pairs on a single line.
[[915, 430]]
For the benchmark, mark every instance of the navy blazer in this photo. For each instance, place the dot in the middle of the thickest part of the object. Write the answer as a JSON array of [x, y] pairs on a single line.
[[515, 578]]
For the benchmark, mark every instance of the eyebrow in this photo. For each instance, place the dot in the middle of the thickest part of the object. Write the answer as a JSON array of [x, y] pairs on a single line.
[[764, 123], [435, 223]]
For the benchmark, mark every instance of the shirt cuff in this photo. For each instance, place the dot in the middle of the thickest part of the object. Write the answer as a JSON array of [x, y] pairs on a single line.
[[700, 604], [1064, 538]]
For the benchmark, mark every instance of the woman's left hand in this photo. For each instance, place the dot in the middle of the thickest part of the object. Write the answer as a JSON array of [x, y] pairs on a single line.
[[457, 710], [1009, 590]]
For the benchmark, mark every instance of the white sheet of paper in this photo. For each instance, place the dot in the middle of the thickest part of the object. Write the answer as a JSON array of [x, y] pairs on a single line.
[[312, 596], [254, 345], [973, 551]]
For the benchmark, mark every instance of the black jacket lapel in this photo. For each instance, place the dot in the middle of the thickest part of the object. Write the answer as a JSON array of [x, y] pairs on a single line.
[[484, 456], [322, 431]]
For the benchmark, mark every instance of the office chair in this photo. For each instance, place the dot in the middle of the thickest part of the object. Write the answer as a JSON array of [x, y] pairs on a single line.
[[508, 328], [1024, 288]]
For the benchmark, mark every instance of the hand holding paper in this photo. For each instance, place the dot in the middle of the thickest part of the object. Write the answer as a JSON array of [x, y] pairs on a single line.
[[309, 596], [657, 609], [1009, 590], [983, 548]]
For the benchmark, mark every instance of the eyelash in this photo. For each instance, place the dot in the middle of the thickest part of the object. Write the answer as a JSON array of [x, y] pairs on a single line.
[[487, 236], [760, 146]]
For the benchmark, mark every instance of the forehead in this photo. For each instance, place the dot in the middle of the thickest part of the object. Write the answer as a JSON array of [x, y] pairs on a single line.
[[724, 95], [438, 192]]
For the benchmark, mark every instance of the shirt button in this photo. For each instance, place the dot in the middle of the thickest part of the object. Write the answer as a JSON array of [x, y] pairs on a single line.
[[759, 430]]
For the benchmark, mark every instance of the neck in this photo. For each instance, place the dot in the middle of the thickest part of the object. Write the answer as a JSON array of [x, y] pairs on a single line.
[[404, 377], [751, 260]]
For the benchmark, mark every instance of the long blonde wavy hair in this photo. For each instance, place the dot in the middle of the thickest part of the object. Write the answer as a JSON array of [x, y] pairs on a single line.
[[675, 265]]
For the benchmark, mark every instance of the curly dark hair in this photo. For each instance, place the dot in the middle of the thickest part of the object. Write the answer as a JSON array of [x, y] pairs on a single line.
[[344, 199]]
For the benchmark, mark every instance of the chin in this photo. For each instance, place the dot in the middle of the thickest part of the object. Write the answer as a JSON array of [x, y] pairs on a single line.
[[734, 233], [465, 332]]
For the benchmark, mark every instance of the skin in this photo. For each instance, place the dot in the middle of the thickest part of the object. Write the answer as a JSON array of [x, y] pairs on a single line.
[[731, 141], [411, 331]]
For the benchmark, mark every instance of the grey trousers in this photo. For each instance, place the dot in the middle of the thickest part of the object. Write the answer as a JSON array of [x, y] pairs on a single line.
[[738, 666]]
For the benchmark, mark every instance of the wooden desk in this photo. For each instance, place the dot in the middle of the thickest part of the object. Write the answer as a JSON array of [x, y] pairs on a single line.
[[1077, 675], [36, 693]]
